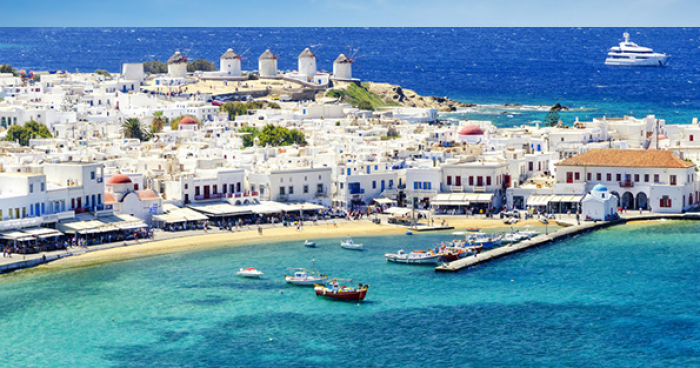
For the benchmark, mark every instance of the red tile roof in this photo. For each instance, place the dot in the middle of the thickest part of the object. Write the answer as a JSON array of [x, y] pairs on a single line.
[[608, 157], [147, 194]]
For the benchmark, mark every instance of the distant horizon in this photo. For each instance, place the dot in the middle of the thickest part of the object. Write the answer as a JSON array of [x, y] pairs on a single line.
[[361, 13]]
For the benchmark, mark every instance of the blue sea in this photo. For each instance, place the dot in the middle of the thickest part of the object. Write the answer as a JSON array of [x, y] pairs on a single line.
[[626, 296], [528, 66]]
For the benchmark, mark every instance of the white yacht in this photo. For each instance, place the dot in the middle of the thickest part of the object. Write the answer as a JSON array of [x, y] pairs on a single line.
[[631, 54]]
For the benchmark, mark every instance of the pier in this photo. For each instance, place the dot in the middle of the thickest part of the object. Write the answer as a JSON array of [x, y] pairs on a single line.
[[571, 229]]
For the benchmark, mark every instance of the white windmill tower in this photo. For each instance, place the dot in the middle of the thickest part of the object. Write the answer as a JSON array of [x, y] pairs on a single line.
[[230, 63], [267, 65], [307, 63]]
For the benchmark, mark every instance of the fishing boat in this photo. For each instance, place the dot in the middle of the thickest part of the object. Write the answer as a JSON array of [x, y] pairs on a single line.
[[309, 244], [250, 273], [529, 233], [543, 220], [333, 290], [408, 232], [349, 244], [513, 237], [484, 240], [473, 229], [450, 254], [415, 257], [304, 277]]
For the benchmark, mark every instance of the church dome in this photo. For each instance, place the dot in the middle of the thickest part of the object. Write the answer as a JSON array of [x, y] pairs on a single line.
[[600, 188], [187, 120], [119, 179], [471, 129]]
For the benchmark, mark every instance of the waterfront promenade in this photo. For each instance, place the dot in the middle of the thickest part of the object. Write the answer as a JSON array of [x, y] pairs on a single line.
[[571, 228]]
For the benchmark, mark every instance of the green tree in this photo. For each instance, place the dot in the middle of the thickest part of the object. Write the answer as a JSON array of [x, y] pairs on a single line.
[[552, 119], [273, 105], [103, 73], [132, 129], [200, 65], [280, 136], [7, 68], [30, 130], [155, 67], [248, 138], [234, 109], [158, 122], [365, 105]]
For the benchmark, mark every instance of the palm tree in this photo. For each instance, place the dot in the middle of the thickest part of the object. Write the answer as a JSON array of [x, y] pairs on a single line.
[[158, 122], [132, 129]]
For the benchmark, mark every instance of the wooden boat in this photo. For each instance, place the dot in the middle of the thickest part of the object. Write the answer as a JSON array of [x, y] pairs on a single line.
[[415, 257], [309, 244], [333, 290], [473, 229], [249, 272], [349, 244]]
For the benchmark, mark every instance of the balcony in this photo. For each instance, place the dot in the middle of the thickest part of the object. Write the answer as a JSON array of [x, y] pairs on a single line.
[[321, 195], [627, 184], [479, 189], [356, 191]]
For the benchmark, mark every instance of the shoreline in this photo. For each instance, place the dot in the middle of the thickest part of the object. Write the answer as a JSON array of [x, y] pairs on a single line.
[[189, 242]]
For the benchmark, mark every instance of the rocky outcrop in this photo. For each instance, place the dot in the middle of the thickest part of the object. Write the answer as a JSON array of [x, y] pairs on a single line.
[[409, 98]]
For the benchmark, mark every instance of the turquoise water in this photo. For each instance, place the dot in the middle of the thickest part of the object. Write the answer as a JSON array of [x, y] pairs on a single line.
[[622, 297]]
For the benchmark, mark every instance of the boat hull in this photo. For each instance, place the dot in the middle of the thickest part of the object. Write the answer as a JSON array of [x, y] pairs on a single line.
[[352, 246], [655, 61], [411, 260], [350, 296], [310, 245], [308, 282]]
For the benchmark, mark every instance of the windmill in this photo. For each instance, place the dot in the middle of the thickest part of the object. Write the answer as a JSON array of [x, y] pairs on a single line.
[[342, 66]]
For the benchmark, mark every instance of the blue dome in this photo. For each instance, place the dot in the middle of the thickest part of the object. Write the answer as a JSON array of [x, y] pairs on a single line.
[[600, 188]]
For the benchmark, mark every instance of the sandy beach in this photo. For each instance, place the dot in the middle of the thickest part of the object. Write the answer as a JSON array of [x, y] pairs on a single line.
[[192, 242]]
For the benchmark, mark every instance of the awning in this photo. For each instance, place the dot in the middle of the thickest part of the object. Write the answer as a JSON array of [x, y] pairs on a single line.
[[16, 236], [384, 200], [461, 199], [544, 200], [43, 233], [169, 218], [220, 209], [538, 200]]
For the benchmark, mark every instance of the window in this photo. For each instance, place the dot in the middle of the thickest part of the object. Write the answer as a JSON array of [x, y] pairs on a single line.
[[577, 176], [471, 181], [646, 178], [618, 177], [608, 177], [691, 137], [665, 202], [31, 188], [281, 190], [488, 180], [449, 180], [291, 190], [92, 175], [598, 177], [196, 191], [588, 176], [306, 189], [374, 184], [319, 188], [186, 186], [305, 178], [415, 185], [391, 183], [673, 179], [636, 178], [458, 181], [529, 166], [214, 189], [656, 178], [569, 177]]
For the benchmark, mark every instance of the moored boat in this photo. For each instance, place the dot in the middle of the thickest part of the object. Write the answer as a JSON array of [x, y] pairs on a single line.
[[333, 290], [309, 244], [304, 277], [415, 257], [249, 272], [350, 244], [408, 232]]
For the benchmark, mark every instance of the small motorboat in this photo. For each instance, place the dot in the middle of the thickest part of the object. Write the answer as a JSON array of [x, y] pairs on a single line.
[[543, 220], [415, 257], [309, 244], [484, 240], [408, 232], [304, 277], [349, 244], [250, 273], [529, 233], [333, 290], [473, 229]]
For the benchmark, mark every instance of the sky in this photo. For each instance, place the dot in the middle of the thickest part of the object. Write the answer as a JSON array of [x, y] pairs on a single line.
[[350, 13]]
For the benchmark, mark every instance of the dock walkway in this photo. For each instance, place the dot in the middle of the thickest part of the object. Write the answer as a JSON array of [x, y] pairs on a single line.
[[571, 230]]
